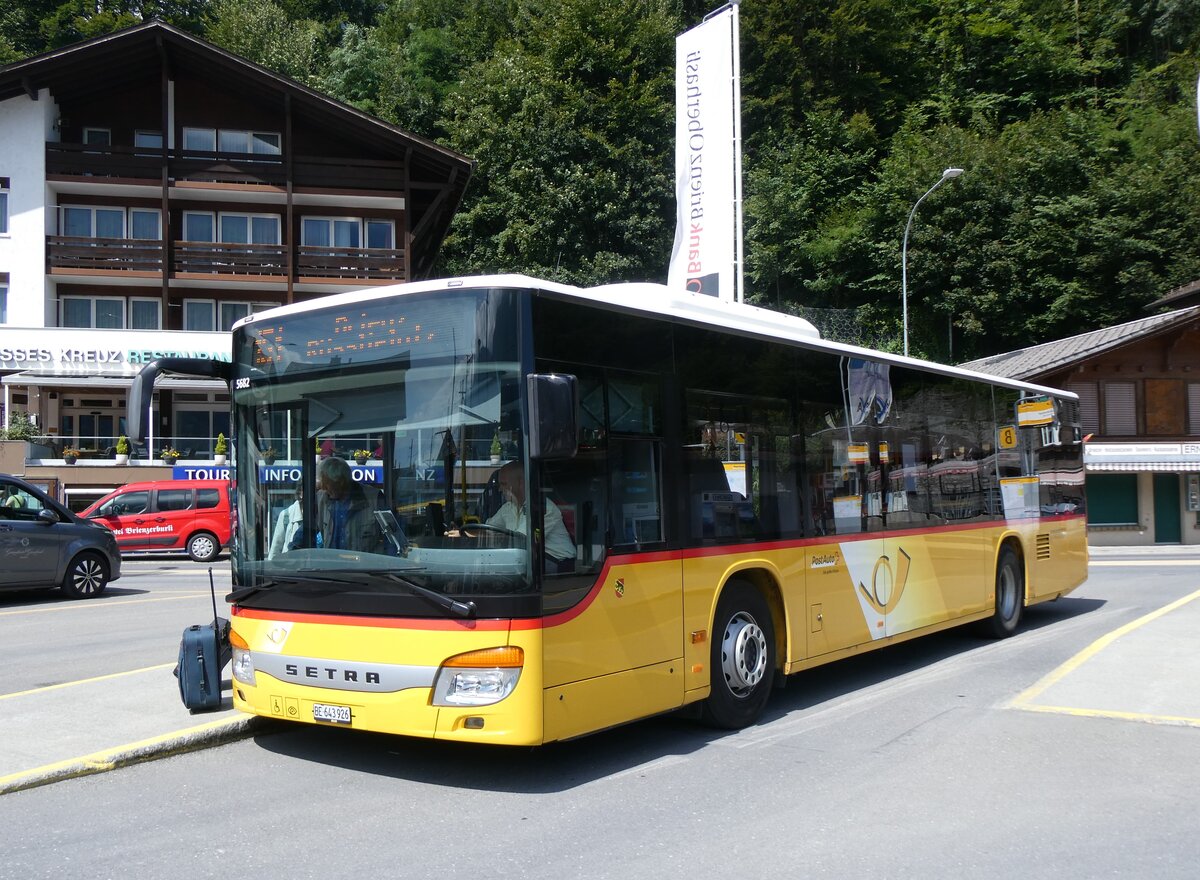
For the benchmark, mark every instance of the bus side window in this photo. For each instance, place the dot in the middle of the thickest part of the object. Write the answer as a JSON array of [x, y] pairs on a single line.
[[636, 513]]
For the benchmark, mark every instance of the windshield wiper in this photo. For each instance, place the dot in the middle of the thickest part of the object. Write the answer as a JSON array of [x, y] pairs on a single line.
[[441, 600]]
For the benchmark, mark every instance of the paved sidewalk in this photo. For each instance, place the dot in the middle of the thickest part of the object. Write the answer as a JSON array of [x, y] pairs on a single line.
[[107, 722]]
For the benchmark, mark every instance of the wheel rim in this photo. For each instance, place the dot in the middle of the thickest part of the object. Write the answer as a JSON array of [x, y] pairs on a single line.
[[1007, 589], [743, 655], [202, 547], [88, 577]]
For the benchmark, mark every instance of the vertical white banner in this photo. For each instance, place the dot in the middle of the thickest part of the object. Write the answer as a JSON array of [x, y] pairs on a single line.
[[707, 251]]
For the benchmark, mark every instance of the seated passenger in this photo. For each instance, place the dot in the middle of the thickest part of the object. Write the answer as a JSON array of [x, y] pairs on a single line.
[[346, 510]]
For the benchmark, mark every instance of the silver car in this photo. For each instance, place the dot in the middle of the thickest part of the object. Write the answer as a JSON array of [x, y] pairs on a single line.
[[42, 544]]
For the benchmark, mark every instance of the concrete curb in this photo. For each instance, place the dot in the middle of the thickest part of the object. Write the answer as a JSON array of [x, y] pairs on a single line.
[[177, 742]]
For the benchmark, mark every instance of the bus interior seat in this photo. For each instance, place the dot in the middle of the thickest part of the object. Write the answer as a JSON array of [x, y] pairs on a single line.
[[491, 499], [704, 474]]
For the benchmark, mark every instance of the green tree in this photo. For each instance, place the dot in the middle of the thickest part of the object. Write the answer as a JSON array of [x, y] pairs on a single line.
[[570, 121], [262, 32]]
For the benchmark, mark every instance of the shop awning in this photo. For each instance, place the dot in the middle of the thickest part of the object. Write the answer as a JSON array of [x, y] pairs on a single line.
[[99, 380], [1170, 458]]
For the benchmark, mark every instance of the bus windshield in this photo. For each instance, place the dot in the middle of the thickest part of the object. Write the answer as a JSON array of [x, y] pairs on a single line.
[[371, 444]]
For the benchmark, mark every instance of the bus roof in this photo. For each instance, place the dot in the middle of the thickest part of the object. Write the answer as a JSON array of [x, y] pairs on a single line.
[[659, 301]]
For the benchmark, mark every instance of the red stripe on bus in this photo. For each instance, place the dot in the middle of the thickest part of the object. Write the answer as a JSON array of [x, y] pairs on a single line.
[[562, 617]]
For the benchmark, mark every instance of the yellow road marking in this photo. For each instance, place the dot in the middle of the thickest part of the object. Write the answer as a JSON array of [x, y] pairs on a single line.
[[1143, 717], [67, 684], [94, 604], [1025, 698], [160, 746]]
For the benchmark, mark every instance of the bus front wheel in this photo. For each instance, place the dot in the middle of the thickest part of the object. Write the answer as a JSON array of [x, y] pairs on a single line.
[[1010, 596], [742, 658]]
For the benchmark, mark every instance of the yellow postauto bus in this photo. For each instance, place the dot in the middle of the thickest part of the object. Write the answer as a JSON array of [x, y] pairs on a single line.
[[510, 511]]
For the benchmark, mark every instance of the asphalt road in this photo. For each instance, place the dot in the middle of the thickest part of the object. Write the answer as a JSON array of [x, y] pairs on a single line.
[[135, 623], [917, 761]]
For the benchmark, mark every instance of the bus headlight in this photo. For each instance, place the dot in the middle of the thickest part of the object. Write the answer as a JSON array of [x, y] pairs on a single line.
[[478, 678], [243, 663]]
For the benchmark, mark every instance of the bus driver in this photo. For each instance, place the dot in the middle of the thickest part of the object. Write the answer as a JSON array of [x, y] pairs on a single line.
[[513, 515]]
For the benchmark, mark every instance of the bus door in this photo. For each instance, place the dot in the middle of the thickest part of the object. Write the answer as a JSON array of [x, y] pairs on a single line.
[[612, 639]]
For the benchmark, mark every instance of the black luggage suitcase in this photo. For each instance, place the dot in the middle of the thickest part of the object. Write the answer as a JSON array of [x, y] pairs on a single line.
[[203, 652]]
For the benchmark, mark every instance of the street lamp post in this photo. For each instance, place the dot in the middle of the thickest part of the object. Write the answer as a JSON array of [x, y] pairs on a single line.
[[948, 174]]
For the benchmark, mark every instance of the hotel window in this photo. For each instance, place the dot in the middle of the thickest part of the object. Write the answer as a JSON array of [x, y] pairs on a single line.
[[330, 232], [145, 313], [249, 228], [97, 137], [87, 222], [232, 228], [3, 206], [346, 232], [152, 139], [199, 315], [3, 297], [147, 143], [262, 143], [1193, 392], [381, 234], [233, 312], [227, 140], [202, 140], [198, 226], [107, 313], [143, 224]]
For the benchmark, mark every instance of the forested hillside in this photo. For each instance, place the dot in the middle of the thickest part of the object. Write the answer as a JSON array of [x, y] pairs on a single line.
[[1074, 119]]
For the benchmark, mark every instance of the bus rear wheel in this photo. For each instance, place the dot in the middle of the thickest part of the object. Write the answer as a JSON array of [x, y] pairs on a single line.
[[1010, 596], [741, 659]]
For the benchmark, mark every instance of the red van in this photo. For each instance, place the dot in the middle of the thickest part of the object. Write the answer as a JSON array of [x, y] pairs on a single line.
[[168, 516]]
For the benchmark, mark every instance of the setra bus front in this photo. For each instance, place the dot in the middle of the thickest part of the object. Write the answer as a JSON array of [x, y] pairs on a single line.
[[386, 577]]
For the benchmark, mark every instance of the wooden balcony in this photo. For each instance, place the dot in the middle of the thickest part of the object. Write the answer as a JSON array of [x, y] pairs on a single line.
[[104, 255], [245, 168], [138, 257], [195, 166], [333, 173], [141, 163], [353, 263], [217, 258]]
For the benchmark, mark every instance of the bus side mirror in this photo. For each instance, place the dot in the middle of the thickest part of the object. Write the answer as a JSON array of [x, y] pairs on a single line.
[[553, 415]]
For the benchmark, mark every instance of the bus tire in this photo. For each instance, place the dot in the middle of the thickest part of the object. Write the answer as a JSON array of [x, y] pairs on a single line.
[[741, 658], [203, 547], [86, 577], [1010, 596]]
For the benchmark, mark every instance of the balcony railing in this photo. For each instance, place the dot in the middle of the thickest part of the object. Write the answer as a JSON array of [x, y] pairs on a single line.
[[107, 254], [205, 167], [335, 262], [88, 160], [234, 259], [145, 163]]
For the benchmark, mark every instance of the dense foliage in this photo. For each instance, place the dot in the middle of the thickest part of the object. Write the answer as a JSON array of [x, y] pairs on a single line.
[[1074, 121]]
